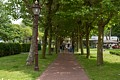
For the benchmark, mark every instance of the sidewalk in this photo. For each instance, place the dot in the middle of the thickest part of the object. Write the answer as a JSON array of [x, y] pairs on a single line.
[[65, 67]]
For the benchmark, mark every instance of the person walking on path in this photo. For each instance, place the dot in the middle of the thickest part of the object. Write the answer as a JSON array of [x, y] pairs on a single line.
[[61, 49], [65, 67]]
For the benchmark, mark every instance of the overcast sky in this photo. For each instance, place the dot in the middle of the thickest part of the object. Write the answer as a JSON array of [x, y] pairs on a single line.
[[17, 21]]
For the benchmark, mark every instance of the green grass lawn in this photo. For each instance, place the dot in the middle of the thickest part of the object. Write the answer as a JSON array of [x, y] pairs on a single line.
[[14, 67], [109, 71]]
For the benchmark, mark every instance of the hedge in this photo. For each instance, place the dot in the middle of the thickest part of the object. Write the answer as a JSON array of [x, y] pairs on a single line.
[[26, 47], [115, 52], [14, 48], [9, 49]]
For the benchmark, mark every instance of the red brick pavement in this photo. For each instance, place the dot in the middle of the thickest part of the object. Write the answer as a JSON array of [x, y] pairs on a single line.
[[65, 67]]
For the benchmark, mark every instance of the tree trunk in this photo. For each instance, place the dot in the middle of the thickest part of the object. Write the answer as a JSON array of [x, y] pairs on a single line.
[[73, 42], [48, 25], [79, 39], [100, 45], [50, 40], [88, 26], [56, 45], [30, 58], [87, 45], [101, 25], [77, 44], [49, 18], [44, 43], [81, 45]]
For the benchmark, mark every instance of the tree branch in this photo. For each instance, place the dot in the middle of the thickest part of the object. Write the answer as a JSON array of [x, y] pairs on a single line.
[[108, 19], [28, 6]]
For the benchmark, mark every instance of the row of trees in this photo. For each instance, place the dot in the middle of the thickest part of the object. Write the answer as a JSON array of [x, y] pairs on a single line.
[[15, 33], [12, 32], [77, 19]]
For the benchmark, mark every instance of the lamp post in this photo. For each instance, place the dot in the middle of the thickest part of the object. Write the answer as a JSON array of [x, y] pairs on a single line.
[[36, 11]]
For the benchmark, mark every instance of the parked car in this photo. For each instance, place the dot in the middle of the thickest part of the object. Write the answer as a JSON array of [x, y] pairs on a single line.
[[116, 47]]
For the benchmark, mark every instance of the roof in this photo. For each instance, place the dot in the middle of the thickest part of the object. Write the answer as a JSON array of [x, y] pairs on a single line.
[[105, 38], [110, 41]]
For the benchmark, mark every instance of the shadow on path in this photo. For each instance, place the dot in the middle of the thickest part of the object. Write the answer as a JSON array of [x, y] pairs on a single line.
[[65, 67]]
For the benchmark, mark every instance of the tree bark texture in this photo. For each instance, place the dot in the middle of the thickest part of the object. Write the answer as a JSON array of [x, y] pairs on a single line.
[[44, 43], [87, 46], [81, 44], [101, 25], [49, 18], [50, 40], [77, 44], [100, 45], [56, 45], [48, 25], [78, 38], [87, 41], [73, 41], [30, 58]]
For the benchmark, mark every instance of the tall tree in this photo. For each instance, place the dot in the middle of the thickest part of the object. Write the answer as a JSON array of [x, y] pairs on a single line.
[[54, 8], [107, 10], [47, 26], [5, 22]]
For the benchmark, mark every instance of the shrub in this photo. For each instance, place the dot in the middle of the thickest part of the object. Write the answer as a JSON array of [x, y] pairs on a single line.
[[14, 48], [39, 46], [116, 52], [9, 49], [25, 47], [1, 49]]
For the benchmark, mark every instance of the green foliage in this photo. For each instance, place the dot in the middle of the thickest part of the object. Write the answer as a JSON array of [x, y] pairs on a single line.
[[25, 47], [115, 52], [88, 11], [15, 32], [116, 31], [9, 49], [4, 21], [39, 46], [26, 33]]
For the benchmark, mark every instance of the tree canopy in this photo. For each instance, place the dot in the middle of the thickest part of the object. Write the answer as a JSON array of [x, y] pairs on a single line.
[[63, 18]]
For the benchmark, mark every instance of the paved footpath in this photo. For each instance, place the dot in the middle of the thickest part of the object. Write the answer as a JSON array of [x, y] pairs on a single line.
[[65, 67]]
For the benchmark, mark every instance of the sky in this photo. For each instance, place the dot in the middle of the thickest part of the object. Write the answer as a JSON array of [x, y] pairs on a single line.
[[14, 21], [17, 21]]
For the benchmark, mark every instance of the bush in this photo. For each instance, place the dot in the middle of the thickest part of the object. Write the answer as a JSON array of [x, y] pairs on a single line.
[[9, 49], [14, 48], [39, 46], [116, 52], [25, 47]]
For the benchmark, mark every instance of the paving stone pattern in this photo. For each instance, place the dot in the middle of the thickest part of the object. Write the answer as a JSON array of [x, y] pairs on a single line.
[[65, 67]]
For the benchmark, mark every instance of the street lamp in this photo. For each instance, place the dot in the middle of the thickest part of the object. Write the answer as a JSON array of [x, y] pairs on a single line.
[[36, 11]]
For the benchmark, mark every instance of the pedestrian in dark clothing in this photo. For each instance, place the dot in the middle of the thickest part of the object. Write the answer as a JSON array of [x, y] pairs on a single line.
[[60, 48], [73, 48]]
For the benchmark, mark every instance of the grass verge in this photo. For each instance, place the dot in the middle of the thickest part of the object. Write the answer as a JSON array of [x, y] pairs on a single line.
[[14, 68], [115, 51], [109, 71]]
